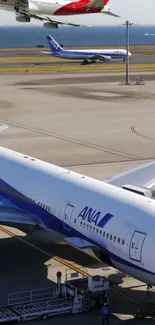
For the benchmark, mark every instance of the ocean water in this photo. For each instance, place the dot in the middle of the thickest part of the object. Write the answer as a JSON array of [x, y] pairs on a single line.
[[32, 36]]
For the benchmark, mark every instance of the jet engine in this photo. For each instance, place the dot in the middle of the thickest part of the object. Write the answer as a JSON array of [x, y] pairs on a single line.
[[50, 25], [21, 18], [105, 58]]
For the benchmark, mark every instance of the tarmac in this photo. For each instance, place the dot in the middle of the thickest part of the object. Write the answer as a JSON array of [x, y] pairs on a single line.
[[92, 124]]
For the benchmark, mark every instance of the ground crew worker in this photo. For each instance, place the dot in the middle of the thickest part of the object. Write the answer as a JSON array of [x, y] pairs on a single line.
[[105, 314]]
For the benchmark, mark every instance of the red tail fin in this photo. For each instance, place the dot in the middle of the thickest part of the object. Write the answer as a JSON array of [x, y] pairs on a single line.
[[105, 2]]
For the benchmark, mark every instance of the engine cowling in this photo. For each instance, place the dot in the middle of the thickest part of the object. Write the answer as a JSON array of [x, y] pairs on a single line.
[[22, 19], [105, 58], [50, 25]]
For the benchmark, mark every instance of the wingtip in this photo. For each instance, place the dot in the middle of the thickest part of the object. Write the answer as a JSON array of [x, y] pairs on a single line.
[[3, 127]]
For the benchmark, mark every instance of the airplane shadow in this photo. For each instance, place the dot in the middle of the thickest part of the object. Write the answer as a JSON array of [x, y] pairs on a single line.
[[23, 268]]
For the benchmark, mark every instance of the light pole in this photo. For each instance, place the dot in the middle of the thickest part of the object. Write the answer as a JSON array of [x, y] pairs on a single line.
[[127, 51]]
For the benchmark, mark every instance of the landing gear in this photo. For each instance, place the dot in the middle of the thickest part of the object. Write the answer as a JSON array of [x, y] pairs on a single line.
[[85, 61], [149, 289], [16, 9], [147, 308]]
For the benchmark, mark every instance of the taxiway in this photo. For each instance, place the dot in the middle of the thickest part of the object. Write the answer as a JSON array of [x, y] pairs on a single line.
[[89, 123]]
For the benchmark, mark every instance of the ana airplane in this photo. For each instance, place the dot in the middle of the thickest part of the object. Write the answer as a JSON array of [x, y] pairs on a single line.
[[39, 9], [115, 220], [88, 56]]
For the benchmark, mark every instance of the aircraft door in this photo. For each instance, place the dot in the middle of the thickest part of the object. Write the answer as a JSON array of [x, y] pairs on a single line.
[[136, 246], [68, 216]]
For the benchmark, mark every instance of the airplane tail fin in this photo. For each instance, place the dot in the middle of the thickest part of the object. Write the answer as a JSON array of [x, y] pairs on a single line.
[[54, 46]]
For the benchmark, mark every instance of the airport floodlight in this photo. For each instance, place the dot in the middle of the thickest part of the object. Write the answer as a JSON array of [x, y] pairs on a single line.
[[128, 24]]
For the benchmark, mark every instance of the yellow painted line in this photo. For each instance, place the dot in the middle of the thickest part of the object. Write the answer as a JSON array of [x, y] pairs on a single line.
[[60, 69], [77, 68], [61, 261], [56, 258]]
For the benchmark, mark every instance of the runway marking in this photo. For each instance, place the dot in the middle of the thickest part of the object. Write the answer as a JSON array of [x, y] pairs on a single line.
[[61, 261], [75, 141], [133, 130]]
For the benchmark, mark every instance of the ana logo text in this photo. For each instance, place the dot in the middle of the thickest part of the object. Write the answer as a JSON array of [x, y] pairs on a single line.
[[93, 216]]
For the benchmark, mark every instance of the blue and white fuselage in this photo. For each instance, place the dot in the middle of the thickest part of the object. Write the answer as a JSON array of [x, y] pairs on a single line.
[[117, 224], [92, 54]]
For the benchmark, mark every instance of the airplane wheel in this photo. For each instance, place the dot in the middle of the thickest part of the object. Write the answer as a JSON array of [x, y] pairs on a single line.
[[84, 62]]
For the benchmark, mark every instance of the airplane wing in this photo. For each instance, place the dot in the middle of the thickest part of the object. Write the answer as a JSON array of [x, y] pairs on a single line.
[[101, 57], [141, 176], [78, 242], [11, 215], [109, 13], [44, 52], [55, 22]]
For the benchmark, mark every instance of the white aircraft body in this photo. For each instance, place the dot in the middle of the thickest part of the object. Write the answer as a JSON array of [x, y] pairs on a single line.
[[118, 224], [87, 55], [42, 9]]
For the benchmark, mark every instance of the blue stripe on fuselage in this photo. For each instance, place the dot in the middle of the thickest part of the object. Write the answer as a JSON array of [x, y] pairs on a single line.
[[103, 222], [52, 222], [67, 53]]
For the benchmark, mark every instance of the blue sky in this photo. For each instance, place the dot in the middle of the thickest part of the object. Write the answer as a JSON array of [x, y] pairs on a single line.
[[137, 11]]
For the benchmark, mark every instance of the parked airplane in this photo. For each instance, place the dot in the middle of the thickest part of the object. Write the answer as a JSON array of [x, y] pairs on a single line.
[[88, 56], [38, 9], [115, 220]]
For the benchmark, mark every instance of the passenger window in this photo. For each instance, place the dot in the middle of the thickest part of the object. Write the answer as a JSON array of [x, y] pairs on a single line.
[[104, 234], [107, 235], [100, 232], [132, 245], [123, 241], [110, 237], [84, 224], [87, 225], [93, 228], [74, 220], [118, 240], [90, 227], [114, 238], [96, 230], [81, 223]]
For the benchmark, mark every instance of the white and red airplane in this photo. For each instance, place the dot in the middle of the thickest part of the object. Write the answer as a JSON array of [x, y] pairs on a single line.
[[39, 9]]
